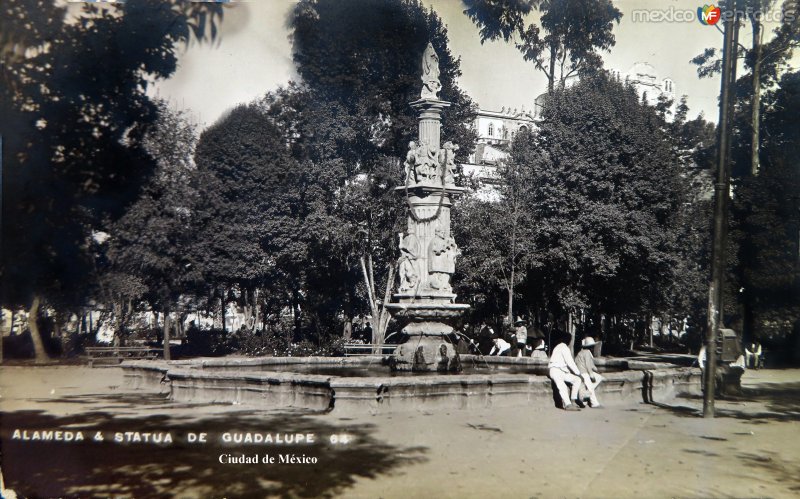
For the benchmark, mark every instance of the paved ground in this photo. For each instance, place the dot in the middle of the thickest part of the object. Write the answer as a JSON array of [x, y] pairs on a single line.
[[637, 450]]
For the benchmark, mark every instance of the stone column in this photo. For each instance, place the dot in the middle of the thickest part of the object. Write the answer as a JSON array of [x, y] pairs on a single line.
[[426, 309]]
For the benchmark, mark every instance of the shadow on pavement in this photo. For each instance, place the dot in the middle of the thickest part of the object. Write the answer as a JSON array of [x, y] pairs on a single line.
[[783, 471], [109, 469], [761, 403]]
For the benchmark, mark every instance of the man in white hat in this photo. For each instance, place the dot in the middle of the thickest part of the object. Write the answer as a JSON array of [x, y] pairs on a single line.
[[585, 361]]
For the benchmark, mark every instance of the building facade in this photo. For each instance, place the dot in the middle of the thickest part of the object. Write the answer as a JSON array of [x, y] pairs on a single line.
[[644, 78], [496, 129]]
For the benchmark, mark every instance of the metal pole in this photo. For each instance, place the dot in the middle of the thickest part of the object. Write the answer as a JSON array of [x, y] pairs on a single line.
[[721, 195]]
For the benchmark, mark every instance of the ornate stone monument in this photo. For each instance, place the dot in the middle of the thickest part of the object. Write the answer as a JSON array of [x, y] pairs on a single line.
[[424, 305]]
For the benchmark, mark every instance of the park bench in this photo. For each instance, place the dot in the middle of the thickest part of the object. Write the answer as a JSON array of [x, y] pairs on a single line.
[[355, 349], [115, 355]]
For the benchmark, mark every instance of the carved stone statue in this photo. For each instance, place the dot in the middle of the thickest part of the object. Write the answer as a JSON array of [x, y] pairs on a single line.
[[431, 165], [442, 253], [430, 74], [422, 164], [409, 266], [447, 158], [410, 164]]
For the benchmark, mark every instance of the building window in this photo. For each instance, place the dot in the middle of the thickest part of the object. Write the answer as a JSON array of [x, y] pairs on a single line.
[[505, 133], [491, 130]]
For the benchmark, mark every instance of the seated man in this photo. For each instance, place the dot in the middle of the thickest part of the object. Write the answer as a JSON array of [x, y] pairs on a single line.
[[585, 361], [563, 370], [753, 356], [501, 346]]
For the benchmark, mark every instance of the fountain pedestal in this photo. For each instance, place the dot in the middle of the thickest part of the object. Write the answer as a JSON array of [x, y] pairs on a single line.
[[424, 305]]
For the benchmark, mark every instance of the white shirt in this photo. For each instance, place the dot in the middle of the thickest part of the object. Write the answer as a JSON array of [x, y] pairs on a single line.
[[562, 359], [500, 345]]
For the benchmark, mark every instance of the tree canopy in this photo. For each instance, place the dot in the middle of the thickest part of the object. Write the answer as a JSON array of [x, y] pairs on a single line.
[[601, 194], [565, 42], [73, 134]]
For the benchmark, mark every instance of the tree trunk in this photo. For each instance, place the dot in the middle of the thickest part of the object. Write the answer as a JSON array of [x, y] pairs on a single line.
[[511, 297], [571, 330], [223, 310], [296, 315], [247, 308], [347, 330], [379, 331], [650, 329], [166, 334], [552, 76], [755, 164], [256, 309], [33, 325], [118, 322]]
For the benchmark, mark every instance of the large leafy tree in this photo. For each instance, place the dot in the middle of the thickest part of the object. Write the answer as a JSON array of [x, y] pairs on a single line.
[[498, 239], [360, 64], [610, 189], [75, 113], [250, 218], [565, 41], [146, 256], [365, 56], [761, 208], [604, 191], [767, 210]]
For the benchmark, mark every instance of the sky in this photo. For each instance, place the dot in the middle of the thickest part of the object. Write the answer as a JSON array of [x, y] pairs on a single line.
[[253, 56]]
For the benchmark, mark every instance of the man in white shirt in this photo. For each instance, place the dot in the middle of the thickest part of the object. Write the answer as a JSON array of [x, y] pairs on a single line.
[[521, 334], [562, 371], [500, 347], [585, 362]]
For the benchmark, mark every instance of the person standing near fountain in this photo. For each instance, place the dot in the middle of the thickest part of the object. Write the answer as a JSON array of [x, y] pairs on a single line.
[[563, 371], [521, 333]]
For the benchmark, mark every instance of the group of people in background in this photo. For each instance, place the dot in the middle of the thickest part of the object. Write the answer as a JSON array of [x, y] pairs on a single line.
[[579, 372], [518, 344]]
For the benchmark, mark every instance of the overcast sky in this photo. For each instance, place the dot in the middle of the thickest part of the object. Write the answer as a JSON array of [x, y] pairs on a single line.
[[253, 56]]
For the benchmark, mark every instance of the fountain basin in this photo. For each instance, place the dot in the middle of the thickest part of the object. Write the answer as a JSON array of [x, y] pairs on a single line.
[[275, 383]]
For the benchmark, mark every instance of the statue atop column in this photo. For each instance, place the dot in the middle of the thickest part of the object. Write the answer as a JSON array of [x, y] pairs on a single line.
[[424, 307], [430, 74]]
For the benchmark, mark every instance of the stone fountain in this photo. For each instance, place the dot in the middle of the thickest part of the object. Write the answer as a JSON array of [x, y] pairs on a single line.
[[424, 305], [426, 309]]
